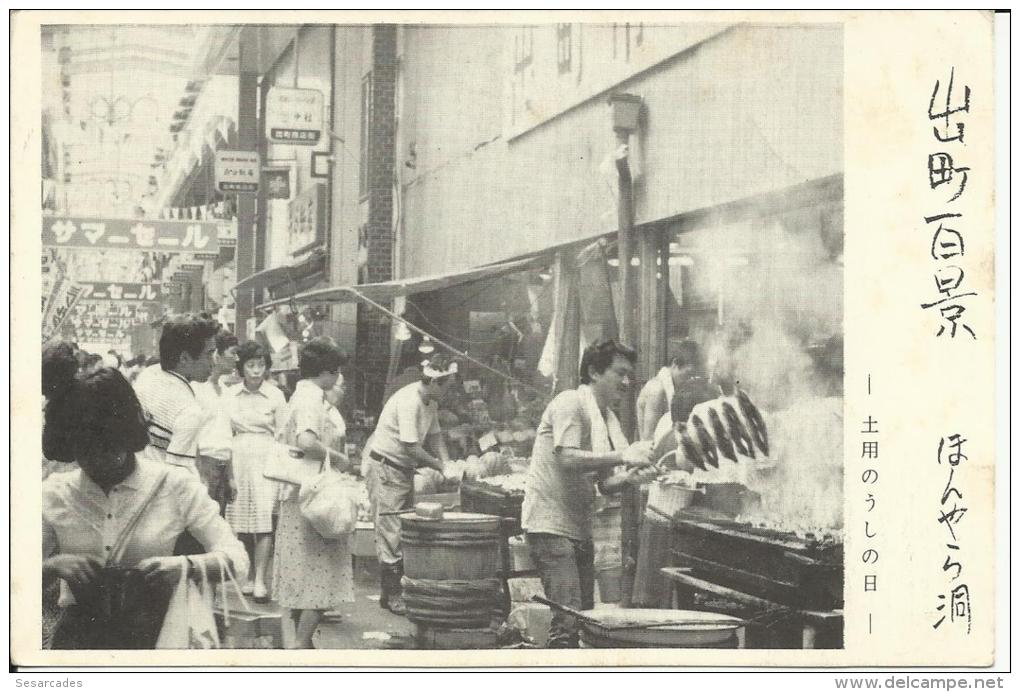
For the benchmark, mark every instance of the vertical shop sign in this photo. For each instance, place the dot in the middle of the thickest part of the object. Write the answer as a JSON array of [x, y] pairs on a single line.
[[307, 220]]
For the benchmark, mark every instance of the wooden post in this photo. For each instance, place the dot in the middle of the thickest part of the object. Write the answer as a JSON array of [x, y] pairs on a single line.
[[630, 500], [568, 367]]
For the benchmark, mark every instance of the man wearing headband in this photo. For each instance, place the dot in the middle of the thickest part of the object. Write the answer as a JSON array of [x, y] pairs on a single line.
[[407, 423]]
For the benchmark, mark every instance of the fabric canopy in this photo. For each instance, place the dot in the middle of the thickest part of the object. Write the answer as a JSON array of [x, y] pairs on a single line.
[[387, 290], [268, 278]]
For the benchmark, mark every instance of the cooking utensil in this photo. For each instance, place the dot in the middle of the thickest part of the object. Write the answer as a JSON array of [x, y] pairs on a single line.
[[683, 619]]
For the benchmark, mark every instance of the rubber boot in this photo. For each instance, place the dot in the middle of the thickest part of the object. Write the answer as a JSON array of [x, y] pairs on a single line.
[[395, 601], [384, 585]]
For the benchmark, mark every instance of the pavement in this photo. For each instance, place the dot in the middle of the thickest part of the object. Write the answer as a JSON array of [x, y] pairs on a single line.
[[358, 625]]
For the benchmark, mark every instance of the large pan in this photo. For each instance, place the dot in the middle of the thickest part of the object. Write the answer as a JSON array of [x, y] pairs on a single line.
[[607, 628]]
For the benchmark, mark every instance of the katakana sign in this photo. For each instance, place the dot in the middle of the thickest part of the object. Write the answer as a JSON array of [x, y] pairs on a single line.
[[294, 116], [95, 290], [132, 234], [237, 171]]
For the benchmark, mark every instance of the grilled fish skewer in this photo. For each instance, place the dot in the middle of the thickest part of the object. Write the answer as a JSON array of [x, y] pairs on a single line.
[[741, 438], [722, 438], [691, 452], [706, 441], [753, 416]]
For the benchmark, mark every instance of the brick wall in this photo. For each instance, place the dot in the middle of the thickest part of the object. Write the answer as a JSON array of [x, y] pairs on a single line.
[[373, 340]]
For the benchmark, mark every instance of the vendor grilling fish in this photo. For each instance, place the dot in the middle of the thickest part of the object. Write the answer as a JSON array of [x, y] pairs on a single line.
[[579, 443]]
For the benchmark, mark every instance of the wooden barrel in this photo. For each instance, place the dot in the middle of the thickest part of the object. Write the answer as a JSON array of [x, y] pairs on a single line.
[[452, 603], [460, 546]]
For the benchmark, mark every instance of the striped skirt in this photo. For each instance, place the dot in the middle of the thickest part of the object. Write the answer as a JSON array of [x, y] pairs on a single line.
[[252, 509]]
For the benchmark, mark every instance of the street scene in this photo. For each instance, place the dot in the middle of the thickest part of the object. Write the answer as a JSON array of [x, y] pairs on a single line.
[[435, 337]]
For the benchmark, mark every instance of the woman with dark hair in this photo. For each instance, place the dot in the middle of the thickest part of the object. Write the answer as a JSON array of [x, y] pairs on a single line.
[[109, 528], [255, 409], [311, 574]]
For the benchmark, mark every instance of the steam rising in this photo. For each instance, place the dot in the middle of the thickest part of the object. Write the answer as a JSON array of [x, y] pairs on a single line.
[[778, 310]]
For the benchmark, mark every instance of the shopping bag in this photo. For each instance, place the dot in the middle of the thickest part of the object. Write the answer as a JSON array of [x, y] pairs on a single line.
[[189, 621], [329, 504]]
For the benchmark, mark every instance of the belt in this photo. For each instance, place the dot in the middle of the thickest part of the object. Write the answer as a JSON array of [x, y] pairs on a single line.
[[392, 464]]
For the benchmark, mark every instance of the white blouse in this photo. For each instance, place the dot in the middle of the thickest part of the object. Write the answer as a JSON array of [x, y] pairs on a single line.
[[80, 519]]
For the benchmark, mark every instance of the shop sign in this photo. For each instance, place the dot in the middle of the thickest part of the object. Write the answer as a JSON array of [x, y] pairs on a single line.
[[131, 234], [95, 290], [236, 171], [307, 219], [276, 182], [294, 116]]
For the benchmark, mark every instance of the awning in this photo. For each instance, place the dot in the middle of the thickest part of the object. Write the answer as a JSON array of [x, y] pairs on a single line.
[[387, 290], [267, 278]]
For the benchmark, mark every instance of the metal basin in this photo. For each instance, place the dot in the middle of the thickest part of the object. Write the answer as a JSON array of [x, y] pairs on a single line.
[[643, 628]]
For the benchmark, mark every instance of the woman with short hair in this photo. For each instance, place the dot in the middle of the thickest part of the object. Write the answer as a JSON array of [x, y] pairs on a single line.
[[255, 409], [312, 574], [109, 527]]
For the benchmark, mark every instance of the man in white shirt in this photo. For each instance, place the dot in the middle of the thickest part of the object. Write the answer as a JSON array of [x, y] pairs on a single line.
[[407, 423], [215, 440], [174, 416], [579, 444]]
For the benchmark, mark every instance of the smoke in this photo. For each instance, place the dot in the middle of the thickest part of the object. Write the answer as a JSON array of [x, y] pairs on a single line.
[[781, 313]]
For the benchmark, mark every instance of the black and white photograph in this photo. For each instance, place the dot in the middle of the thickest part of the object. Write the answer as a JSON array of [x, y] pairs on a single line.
[[514, 336]]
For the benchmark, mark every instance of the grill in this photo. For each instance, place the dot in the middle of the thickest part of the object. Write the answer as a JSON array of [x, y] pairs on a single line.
[[781, 567]]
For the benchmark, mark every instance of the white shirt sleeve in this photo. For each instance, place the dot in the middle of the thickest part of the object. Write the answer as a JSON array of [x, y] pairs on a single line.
[[187, 428], [202, 518]]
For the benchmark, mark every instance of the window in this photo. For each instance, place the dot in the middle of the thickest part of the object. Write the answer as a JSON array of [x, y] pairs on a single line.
[[524, 48], [366, 130], [563, 47]]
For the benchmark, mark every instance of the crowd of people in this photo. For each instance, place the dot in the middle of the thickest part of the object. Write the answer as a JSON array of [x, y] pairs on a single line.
[[165, 471], [154, 467]]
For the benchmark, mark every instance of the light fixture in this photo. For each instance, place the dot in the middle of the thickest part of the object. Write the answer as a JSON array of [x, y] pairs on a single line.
[[626, 110]]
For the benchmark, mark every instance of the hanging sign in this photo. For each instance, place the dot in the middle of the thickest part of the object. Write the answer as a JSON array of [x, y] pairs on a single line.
[[294, 116], [236, 171], [276, 182], [131, 234]]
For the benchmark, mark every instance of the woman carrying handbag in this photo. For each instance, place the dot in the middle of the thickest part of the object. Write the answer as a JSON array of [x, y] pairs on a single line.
[[109, 527], [312, 574]]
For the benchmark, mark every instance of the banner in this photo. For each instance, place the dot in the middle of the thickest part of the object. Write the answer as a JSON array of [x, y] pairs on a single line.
[[133, 234], [61, 309], [121, 291]]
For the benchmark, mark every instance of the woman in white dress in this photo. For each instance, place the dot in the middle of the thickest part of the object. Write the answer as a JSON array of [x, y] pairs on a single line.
[[256, 408]]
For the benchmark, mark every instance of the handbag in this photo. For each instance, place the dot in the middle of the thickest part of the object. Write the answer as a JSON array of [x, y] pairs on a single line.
[[288, 465], [190, 621], [328, 503]]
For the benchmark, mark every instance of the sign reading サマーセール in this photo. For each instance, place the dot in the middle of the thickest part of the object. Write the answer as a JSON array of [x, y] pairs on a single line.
[[132, 234], [237, 171], [294, 116]]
